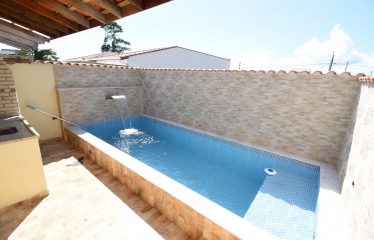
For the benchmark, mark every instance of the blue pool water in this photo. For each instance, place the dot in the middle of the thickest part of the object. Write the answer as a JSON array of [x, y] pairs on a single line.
[[227, 173]]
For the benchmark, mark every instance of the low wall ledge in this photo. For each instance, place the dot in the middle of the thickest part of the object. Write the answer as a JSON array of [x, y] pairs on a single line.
[[270, 72]]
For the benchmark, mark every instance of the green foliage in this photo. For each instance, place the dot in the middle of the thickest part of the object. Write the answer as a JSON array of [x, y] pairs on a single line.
[[39, 54], [112, 43]]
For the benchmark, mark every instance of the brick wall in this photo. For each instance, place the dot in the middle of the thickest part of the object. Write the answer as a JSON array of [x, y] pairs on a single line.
[[8, 98], [302, 114], [356, 167]]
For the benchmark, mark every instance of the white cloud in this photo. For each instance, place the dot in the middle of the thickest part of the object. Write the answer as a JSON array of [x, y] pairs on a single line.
[[314, 55]]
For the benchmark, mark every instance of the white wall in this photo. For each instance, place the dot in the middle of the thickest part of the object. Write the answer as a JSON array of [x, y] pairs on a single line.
[[178, 58], [114, 61]]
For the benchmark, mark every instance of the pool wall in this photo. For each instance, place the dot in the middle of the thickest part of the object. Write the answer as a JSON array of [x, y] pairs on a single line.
[[196, 215]]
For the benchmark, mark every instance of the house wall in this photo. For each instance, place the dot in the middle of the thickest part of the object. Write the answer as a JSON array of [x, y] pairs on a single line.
[[178, 58], [21, 171], [356, 167], [302, 114], [35, 85], [8, 97]]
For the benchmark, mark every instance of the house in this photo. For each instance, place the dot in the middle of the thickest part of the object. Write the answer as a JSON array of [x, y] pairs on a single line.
[[7, 52], [168, 57]]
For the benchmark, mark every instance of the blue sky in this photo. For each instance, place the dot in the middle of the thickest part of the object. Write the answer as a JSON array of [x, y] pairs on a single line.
[[278, 34]]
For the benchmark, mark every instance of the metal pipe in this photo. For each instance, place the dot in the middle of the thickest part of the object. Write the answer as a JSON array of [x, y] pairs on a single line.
[[54, 117]]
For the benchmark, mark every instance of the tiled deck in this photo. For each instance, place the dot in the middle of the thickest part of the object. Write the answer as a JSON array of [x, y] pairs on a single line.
[[85, 202]]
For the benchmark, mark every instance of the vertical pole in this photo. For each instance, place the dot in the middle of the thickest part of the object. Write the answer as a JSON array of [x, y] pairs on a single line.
[[332, 61], [346, 65], [240, 63]]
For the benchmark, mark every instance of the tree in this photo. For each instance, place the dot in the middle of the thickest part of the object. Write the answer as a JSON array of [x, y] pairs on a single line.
[[113, 43], [39, 54]]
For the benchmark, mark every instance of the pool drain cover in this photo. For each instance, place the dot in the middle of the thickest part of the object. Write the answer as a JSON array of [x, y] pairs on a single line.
[[270, 171]]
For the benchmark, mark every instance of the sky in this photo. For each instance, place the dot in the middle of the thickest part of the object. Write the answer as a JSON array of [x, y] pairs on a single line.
[[271, 34]]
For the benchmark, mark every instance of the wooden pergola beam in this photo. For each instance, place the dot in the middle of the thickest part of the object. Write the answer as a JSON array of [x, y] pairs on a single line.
[[49, 14], [16, 18], [27, 13], [111, 7], [87, 9], [21, 32], [13, 44], [64, 11], [17, 39], [137, 3]]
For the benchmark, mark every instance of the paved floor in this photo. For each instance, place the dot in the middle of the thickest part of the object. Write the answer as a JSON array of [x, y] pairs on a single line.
[[85, 202]]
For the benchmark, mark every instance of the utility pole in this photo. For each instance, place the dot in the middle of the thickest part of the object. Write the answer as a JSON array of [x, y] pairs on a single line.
[[332, 60], [346, 65], [240, 63]]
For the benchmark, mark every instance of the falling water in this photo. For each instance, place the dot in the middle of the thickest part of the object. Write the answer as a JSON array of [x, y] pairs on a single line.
[[121, 102]]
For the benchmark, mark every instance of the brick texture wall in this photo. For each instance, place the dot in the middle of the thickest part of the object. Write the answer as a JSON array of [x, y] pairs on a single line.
[[81, 105], [356, 167], [82, 92], [8, 98], [80, 76], [302, 114]]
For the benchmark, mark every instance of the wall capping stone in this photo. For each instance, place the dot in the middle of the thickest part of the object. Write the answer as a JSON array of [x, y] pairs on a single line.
[[197, 70]]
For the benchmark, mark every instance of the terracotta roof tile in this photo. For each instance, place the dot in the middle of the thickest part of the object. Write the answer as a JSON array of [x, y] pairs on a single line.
[[366, 79], [361, 76]]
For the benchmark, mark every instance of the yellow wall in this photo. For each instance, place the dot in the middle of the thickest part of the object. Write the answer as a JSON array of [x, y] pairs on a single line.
[[21, 171], [35, 85]]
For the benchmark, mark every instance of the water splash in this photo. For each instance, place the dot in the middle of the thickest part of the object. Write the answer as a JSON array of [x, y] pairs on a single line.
[[139, 139]]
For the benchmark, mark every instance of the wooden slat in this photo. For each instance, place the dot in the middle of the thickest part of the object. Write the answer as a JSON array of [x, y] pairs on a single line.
[[16, 18], [86, 8], [111, 7], [64, 11], [129, 10], [49, 14], [13, 44], [153, 3], [17, 39], [43, 21], [137, 3], [21, 32]]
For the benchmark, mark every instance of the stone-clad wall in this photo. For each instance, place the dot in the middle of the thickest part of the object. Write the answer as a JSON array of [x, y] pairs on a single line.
[[302, 114], [8, 98], [356, 167], [82, 92], [80, 76], [80, 105]]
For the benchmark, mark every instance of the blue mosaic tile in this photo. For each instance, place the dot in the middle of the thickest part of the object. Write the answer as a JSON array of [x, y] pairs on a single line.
[[284, 204]]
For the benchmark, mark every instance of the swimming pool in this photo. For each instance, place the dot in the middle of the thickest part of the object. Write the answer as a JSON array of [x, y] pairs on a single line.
[[225, 172]]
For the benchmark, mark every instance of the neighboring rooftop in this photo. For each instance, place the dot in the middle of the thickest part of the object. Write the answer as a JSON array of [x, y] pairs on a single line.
[[125, 55], [7, 52], [166, 57]]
